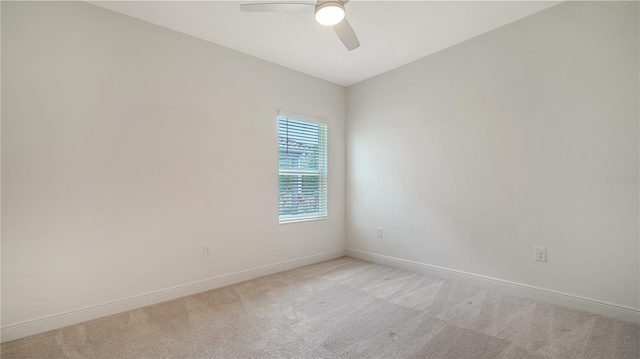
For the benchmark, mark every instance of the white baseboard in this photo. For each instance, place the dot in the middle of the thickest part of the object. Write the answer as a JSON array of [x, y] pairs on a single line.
[[612, 310], [31, 327]]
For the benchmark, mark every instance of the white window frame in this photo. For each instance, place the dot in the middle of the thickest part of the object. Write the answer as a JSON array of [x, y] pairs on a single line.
[[315, 120]]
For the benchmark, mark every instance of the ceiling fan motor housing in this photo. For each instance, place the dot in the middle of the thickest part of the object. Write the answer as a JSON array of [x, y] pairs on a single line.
[[329, 13]]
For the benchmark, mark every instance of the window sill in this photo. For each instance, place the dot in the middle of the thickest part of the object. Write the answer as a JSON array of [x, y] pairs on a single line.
[[297, 220]]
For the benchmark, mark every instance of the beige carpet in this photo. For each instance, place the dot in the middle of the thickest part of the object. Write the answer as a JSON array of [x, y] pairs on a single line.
[[344, 308]]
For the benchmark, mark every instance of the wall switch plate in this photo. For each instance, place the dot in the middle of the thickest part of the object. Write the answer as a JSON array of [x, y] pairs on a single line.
[[540, 254], [206, 250], [379, 232]]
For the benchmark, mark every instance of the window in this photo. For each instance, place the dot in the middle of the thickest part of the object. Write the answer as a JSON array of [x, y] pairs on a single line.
[[303, 169]]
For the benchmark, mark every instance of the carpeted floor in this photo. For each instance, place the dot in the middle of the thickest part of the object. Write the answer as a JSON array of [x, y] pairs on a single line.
[[344, 308]]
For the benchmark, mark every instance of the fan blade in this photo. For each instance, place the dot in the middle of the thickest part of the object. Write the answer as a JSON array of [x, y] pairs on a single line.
[[275, 7], [346, 34]]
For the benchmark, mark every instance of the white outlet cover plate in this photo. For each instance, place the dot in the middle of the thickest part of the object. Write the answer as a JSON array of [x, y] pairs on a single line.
[[540, 254], [206, 251]]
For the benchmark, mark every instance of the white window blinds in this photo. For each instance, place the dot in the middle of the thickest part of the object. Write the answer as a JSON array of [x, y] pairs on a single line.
[[303, 169]]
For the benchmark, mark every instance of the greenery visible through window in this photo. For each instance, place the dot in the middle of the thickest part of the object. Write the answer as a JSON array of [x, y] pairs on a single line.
[[303, 169]]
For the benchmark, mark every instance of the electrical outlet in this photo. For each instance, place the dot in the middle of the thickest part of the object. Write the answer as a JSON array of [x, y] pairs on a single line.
[[206, 250], [379, 232], [540, 254]]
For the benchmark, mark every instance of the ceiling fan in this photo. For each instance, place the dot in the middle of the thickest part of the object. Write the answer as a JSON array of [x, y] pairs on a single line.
[[327, 12]]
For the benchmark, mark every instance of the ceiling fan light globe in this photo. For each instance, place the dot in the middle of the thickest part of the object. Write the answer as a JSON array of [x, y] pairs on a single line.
[[330, 13]]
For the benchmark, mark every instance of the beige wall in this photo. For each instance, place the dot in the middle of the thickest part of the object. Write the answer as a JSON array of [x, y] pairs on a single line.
[[126, 147], [472, 156]]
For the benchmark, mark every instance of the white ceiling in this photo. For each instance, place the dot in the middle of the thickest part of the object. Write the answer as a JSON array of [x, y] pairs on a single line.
[[391, 33]]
